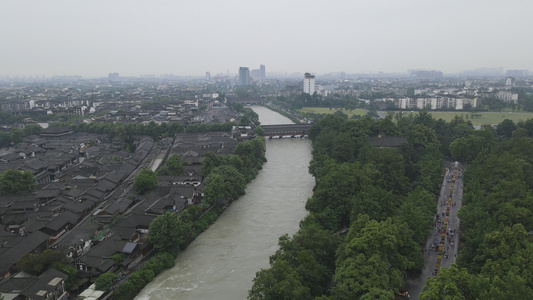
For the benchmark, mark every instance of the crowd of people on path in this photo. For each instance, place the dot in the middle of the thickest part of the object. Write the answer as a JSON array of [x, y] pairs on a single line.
[[443, 233]]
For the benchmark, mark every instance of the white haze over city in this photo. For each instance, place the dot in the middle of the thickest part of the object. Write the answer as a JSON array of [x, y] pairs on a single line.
[[97, 37]]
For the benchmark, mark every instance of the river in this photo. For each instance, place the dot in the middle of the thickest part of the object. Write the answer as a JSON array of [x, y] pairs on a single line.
[[221, 262]]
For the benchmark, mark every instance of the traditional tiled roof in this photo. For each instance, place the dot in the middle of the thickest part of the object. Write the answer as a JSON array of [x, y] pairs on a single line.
[[395, 141]]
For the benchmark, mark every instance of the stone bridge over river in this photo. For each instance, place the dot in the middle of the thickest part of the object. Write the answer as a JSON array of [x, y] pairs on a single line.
[[291, 130]]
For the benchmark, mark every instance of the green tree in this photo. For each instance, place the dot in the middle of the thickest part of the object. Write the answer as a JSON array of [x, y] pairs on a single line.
[[155, 265], [145, 181], [32, 129], [15, 182], [343, 148], [118, 257], [376, 202], [36, 264], [374, 259], [105, 280], [332, 199], [418, 211], [450, 284], [386, 127], [232, 186], [214, 188], [509, 286], [166, 233], [125, 291], [508, 251], [211, 161], [361, 278], [259, 131], [71, 272], [392, 241], [422, 140], [16, 135], [311, 253], [505, 128], [281, 282], [465, 149], [390, 164], [173, 166], [166, 259]]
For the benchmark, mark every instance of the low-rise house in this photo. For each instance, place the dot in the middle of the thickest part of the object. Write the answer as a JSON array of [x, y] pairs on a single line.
[[56, 132], [60, 224], [33, 243], [387, 141], [98, 259], [45, 195], [48, 286]]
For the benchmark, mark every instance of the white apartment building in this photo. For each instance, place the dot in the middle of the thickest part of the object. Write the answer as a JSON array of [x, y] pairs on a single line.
[[309, 84], [507, 96], [437, 102]]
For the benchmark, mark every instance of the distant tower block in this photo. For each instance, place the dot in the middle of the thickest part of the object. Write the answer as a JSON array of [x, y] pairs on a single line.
[[263, 72], [309, 83], [509, 81], [468, 83], [113, 76], [208, 76], [244, 76]]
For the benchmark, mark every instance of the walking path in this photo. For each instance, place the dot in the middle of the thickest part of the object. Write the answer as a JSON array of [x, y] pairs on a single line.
[[442, 247], [446, 231]]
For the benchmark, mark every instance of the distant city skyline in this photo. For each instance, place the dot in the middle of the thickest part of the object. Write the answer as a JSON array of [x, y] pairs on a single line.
[[132, 38]]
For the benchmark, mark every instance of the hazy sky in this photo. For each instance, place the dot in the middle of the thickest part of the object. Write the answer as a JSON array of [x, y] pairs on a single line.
[[190, 37]]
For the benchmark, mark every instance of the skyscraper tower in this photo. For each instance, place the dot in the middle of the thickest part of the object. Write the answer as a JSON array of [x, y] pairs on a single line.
[[309, 83], [208, 76], [262, 70], [244, 76]]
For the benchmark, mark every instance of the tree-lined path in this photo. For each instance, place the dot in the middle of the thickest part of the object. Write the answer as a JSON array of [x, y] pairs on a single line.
[[442, 246]]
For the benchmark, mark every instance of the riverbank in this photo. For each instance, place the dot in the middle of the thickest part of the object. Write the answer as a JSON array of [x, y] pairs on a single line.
[[222, 261], [172, 232], [285, 114]]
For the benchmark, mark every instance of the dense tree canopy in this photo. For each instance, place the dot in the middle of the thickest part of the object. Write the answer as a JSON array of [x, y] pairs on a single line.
[[279, 282], [145, 181], [16, 182], [36, 264], [384, 196], [496, 217], [173, 166], [105, 280], [166, 232]]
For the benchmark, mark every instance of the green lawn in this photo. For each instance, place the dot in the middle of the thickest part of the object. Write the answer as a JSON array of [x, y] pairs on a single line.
[[486, 118], [325, 110]]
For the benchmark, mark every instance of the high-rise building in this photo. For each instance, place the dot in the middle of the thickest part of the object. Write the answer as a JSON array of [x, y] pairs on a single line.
[[208, 76], [509, 81], [244, 76], [255, 73], [113, 76], [262, 70], [309, 83]]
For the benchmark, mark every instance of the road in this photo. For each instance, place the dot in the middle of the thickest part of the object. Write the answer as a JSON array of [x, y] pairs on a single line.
[[441, 248]]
